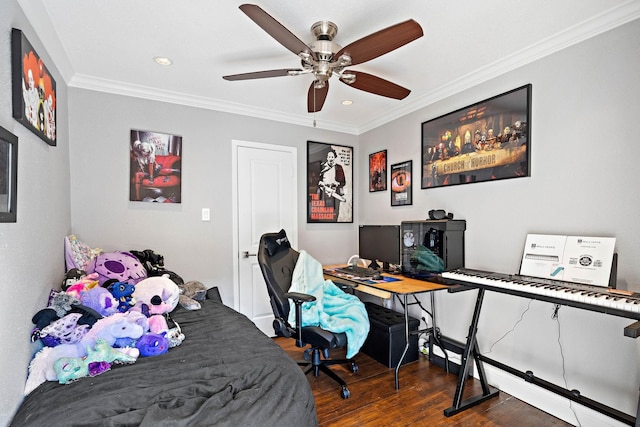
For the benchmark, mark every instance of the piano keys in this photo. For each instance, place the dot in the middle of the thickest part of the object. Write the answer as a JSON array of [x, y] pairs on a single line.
[[589, 297]]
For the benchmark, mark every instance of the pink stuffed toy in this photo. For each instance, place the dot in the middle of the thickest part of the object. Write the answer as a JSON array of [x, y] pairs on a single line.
[[154, 297], [81, 286]]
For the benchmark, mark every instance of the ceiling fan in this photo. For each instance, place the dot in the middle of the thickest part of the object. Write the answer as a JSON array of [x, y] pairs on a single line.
[[324, 58]]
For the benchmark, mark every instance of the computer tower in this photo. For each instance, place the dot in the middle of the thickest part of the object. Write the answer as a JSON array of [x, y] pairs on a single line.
[[432, 246]]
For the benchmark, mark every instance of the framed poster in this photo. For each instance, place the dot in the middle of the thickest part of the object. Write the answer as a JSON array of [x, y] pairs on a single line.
[[401, 185], [329, 182], [8, 176], [155, 167], [378, 171], [486, 141], [33, 89]]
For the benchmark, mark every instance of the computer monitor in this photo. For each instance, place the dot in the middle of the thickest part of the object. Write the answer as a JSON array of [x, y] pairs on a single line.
[[379, 243]]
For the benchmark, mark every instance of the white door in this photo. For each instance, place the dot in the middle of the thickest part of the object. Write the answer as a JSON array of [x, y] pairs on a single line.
[[266, 192]]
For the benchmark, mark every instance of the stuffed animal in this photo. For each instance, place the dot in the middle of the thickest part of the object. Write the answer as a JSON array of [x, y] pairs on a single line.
[[65, 330], [153, 263], [123, 293], [62, 303], [108, 329], [71, 277], [152, 344], [47, 316], [121, 266], [98, 360], [101, 300], [82, 285], [190, 293], [154, 297]]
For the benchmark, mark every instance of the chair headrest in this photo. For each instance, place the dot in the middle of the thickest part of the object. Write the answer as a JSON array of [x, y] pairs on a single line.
[[276, 242]]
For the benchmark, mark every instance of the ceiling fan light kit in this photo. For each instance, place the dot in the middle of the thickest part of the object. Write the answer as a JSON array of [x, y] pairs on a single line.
[[323, 58]]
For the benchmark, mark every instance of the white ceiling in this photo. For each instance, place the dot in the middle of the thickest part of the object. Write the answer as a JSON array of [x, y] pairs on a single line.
[[109, 45]]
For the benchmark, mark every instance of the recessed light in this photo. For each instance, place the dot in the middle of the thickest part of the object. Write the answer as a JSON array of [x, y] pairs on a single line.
[[162, 60], [347, 102]]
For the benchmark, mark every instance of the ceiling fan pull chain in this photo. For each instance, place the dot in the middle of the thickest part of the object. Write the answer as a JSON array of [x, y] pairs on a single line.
[[314, 105]]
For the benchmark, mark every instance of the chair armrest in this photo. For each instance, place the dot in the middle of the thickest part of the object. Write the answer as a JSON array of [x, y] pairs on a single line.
[[299, 298]]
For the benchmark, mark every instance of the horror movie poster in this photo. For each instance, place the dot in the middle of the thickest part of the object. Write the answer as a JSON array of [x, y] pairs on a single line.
[[329, 182], [486, 141]]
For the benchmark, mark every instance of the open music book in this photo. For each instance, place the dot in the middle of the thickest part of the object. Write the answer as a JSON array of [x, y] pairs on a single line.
[[577, 259]]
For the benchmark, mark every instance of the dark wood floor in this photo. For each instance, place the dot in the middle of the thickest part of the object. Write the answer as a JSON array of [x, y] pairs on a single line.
[[425, 392]]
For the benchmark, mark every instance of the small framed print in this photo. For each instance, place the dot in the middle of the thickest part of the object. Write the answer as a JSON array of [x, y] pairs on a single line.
[[8, 176], [401, 184], [378, 171]]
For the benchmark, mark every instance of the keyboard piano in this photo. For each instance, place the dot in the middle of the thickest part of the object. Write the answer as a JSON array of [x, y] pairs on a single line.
[[595, 298], [589, 297]]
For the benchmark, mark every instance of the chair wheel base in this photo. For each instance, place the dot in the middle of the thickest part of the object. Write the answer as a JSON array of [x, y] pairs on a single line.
[[345, 393]]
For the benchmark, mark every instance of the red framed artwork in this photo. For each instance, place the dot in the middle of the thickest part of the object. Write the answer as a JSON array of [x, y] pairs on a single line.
[[378, 171]]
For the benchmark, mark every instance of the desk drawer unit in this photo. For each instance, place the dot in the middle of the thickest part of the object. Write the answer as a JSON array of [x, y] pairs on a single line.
[[386, 340]]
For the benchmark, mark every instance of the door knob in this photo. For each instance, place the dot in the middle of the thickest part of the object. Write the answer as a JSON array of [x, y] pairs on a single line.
[[246, 254]]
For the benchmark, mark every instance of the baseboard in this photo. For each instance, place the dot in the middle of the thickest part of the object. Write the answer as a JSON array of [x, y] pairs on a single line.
[[546, 401]]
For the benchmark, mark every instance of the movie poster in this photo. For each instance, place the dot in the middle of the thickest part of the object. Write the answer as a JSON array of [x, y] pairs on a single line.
[[401, 185], [329, 182], [156, 167]]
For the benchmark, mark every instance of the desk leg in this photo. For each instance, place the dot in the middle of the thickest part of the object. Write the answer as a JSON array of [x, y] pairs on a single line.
[[470, 354], [406, 337]]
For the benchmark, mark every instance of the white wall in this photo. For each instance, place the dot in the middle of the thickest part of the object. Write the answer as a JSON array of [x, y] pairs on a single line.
[[31, 258], [585, 104]]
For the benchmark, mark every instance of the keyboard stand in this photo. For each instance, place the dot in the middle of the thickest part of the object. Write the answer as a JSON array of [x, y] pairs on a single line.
[[470, 354]]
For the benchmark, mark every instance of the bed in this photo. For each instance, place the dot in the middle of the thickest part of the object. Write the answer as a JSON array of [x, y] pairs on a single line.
[[225, 373]]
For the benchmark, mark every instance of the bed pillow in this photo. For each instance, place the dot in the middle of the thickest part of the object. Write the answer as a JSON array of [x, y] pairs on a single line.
[[78, 254], [277, 243]]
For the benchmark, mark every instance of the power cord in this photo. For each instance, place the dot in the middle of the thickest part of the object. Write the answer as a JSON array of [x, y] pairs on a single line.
[[510, 330]]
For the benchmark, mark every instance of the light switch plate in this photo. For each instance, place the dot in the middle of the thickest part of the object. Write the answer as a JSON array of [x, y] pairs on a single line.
[[206, 214]]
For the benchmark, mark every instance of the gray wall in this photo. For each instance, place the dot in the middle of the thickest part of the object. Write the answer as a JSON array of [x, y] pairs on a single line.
[[103, 216], [31, 258], [585, 104]]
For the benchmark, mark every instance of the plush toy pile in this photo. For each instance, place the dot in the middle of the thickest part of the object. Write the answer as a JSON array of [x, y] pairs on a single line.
[[111, 308]]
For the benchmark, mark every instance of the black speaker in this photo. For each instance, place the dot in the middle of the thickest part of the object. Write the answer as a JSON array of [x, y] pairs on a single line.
[[440, 214]]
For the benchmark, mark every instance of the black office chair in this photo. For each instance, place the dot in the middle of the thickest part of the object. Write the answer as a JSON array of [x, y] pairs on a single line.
[[277, 260]]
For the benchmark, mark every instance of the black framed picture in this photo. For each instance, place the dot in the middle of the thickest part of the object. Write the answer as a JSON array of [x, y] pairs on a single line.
[[329, 182], [378, 171], [401, 185], [34, 89], [485, 141], [8, 176]]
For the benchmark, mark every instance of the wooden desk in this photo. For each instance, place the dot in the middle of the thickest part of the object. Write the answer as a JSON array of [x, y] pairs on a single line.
[[403, 287]]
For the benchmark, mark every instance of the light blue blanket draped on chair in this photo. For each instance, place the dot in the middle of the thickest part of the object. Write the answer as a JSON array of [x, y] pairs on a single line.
[[333, 309]]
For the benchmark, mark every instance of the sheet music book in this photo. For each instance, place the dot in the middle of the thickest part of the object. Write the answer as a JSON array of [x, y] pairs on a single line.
[[578, 259]]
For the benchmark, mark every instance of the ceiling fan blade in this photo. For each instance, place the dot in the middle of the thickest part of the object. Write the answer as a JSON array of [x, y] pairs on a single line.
[[376, 85], [260, 74], [381, 42], [316, 97], [275, 29]]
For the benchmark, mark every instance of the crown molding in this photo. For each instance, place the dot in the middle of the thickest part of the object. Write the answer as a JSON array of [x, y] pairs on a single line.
[[615, 17], [151, 93]]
